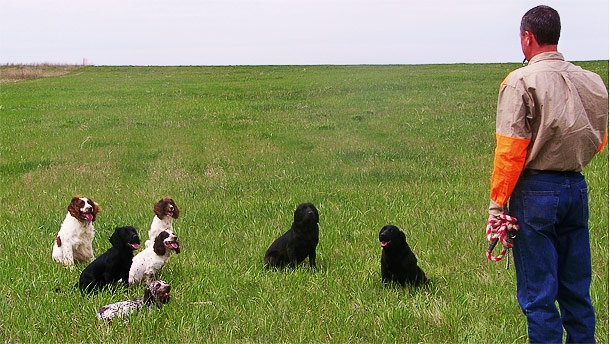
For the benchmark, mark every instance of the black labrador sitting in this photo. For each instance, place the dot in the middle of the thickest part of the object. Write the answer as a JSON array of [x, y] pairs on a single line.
[[298, 242], [114, 264], [398, 263]]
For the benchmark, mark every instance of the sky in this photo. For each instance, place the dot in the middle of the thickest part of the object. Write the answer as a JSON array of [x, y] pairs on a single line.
[[287, 32]]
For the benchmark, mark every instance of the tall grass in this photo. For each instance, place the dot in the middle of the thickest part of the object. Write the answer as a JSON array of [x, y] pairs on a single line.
[[18, 72], [238, 148]]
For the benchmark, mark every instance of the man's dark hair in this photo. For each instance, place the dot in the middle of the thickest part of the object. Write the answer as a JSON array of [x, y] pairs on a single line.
[[544, 23]]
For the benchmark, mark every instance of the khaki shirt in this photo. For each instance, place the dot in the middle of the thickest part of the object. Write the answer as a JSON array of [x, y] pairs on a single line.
[[561, 108], [552, 115]]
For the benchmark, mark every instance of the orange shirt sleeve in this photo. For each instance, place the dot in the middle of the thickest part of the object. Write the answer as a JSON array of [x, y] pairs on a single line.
[[509, 160]]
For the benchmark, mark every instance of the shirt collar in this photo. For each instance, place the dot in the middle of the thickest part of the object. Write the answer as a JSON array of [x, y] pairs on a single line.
[[551, 55]]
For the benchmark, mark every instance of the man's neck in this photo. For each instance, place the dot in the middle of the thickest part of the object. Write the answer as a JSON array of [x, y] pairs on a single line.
[[543, 49]]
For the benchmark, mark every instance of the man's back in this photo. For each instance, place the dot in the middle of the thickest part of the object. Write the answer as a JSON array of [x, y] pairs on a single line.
[[564, 107]]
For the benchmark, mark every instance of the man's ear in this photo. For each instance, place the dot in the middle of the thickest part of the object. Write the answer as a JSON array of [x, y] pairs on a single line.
[[530, 39]]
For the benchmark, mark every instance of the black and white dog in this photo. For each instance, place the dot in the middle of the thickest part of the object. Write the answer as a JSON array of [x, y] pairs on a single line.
[[398, 263], [299, 242], [114, 264]]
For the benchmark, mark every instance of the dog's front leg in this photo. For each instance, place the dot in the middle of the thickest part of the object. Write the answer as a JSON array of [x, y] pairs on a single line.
[[68, 256], [312, 258], [88, 253], [125, 278], [386, 276], [148, 277], [292, 257]]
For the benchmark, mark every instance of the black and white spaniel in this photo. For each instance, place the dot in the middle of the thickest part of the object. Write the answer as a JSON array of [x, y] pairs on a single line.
[[156, 295], [166, 211], [152, 259], [73, 242]]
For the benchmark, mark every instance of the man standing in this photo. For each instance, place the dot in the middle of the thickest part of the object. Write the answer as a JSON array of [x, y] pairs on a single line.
[[551, 120]]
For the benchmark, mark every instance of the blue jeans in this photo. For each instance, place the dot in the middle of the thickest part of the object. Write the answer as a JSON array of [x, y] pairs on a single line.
[[553, 257]]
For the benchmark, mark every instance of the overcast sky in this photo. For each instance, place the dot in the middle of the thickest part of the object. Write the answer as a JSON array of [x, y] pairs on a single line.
[[272, 32]]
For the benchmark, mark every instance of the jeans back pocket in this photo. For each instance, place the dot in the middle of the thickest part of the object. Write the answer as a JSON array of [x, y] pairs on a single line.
[[540, 208]]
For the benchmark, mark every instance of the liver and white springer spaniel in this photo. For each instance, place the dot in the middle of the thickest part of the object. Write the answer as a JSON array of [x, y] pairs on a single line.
[[73, 242], [156, 295], [152, 259], [166, 211]]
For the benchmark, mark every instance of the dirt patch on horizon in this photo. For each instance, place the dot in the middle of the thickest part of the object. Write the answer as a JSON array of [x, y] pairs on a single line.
[[14, 73]]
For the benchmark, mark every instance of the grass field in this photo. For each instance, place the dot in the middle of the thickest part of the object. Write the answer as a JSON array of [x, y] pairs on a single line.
[[239, 148]]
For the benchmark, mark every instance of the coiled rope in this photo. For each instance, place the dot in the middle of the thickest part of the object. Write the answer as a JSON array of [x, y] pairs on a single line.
[[506, 227]]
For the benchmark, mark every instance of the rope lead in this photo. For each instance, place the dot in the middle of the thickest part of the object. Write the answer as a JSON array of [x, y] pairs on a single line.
[[506, 227]]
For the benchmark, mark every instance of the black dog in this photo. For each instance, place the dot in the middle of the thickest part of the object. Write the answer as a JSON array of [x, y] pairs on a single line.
[[298, 242], [113, 265], [398, 263]]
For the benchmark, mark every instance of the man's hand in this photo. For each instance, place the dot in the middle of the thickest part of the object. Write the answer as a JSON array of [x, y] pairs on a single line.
[[493, 223], [495, 210], [501, 223]]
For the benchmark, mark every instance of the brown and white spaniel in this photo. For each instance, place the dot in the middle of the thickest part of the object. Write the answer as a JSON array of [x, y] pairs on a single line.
[[73, 242], [152, 259], [166, 211]]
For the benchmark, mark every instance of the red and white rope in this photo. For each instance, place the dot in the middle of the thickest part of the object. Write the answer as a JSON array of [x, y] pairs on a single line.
[[504, 224]]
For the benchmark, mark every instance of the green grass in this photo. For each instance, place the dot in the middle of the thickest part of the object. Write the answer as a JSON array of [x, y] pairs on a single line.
[[239, 148]]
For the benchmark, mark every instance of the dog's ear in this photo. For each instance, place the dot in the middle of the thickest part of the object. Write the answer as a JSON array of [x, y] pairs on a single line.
[[401, 236], [96, 209], [115, 238], [159, 211], [176, 210], [317, 216], [298, 214], [159, 246], [148, 296], [74, 208]]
